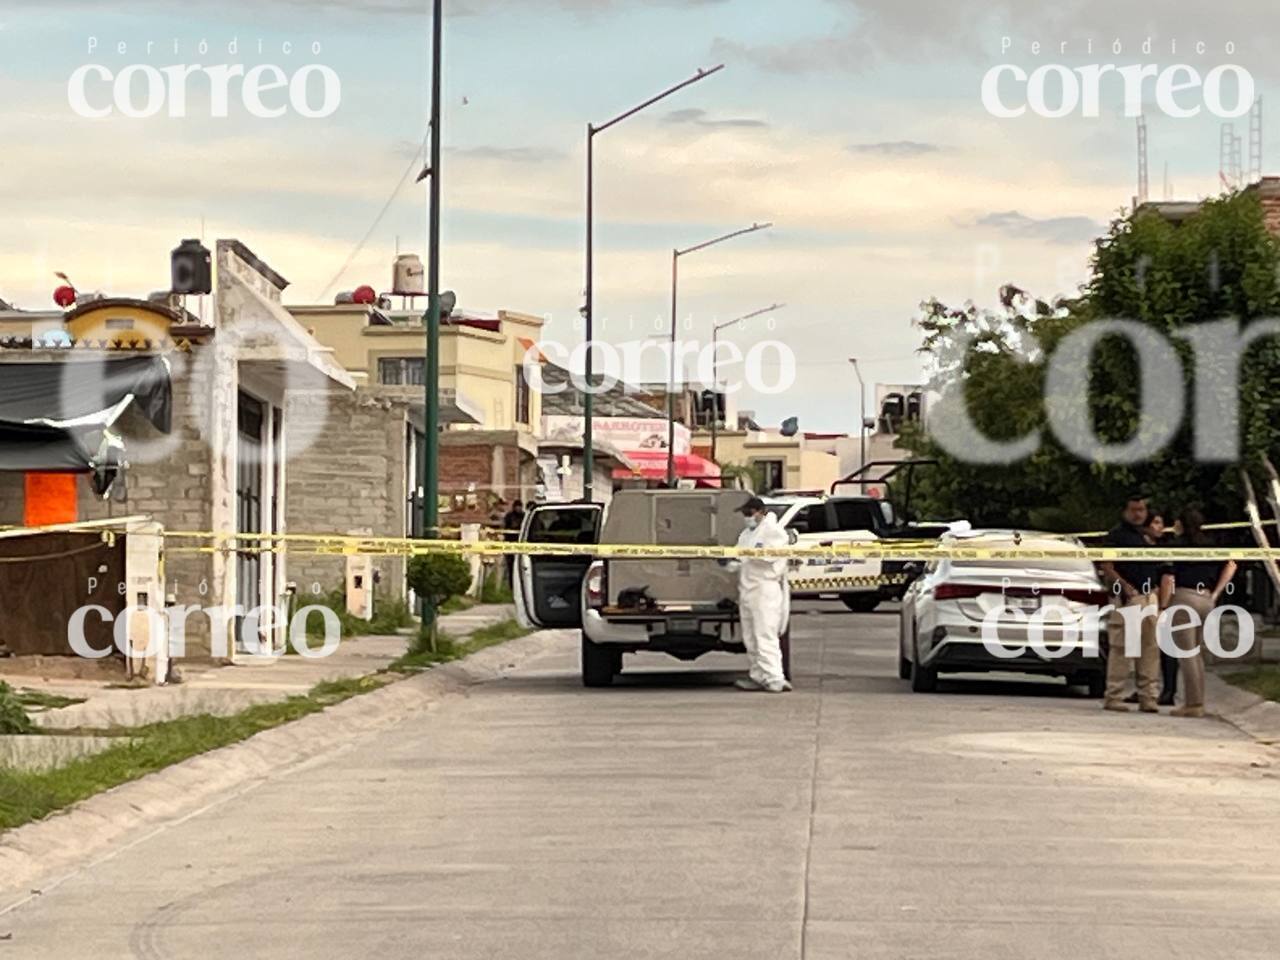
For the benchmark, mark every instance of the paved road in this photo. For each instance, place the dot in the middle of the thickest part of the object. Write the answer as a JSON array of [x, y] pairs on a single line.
[[677, 817]]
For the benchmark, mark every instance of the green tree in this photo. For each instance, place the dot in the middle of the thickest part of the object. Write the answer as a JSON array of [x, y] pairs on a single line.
[[435, 578], [1220, 263]]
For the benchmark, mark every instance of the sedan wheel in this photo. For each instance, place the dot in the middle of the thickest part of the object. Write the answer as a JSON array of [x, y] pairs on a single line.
[[923, 680]]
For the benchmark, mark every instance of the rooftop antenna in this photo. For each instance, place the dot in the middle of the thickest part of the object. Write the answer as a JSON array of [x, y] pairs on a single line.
[[1143, 183], [1255, 141]]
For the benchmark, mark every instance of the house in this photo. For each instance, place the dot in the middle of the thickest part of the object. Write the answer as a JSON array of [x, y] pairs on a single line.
[[199, 441], [773, 461], [490, 412], [630, 437]]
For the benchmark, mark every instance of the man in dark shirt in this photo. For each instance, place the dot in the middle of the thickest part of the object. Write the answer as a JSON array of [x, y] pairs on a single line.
[[512, 523], [1134, 587]]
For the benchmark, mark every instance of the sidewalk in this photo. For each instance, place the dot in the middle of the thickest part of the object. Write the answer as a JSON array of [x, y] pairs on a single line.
[[225, 690]]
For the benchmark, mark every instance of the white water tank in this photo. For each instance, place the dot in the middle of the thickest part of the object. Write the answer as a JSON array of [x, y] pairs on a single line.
[[408, 277]]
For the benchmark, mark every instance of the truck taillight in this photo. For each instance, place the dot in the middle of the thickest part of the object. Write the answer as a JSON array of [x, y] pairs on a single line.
[[596, 585]]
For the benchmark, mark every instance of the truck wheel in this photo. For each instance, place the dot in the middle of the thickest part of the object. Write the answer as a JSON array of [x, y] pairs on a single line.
[[785, 642], [861, 602], [599, 664]]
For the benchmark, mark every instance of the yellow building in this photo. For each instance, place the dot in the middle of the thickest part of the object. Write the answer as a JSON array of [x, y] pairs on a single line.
[[481, 359], [773, 462]]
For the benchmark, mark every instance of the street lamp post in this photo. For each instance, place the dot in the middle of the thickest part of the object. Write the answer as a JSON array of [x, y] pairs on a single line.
[[715, 363], [671, 382], [588, 459], [862, 419], [431, 427]]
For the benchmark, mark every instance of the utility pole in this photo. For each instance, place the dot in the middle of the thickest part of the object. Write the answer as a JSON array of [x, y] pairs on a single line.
[[715, 379], [588, 458], [431, 397], [862, 421], [671, 373]]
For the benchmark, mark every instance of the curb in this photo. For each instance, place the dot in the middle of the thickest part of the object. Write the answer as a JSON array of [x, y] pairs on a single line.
[[46, 853], [1247, 712]]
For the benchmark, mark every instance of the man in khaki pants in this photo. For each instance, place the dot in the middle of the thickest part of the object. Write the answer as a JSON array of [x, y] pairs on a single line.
[[1134, 586]]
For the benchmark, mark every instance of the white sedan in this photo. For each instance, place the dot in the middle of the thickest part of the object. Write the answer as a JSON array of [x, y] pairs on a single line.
[[1037, 616]]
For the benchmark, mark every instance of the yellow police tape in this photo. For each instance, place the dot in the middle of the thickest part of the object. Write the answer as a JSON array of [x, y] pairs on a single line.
[[901, 550], [893, 550]]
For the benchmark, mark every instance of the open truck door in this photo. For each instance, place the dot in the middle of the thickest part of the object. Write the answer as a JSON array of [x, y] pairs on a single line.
[[548, 589]]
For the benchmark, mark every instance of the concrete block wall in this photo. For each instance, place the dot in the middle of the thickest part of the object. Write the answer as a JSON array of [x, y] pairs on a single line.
[[168, 480], [350, 478]]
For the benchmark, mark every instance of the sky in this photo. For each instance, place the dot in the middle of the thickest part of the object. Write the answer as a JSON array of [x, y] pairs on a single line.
[[857, 127]]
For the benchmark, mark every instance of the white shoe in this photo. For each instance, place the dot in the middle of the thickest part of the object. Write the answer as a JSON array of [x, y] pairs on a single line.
[[746, 683], [777, 686]]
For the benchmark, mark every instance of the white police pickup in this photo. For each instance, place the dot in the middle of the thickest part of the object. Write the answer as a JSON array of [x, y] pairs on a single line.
[[830, 521]]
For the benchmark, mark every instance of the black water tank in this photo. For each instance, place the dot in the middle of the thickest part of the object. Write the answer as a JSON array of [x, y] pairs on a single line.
[[191, 268]]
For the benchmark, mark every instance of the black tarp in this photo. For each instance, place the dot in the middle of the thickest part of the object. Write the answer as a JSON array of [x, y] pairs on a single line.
[[36, 399]]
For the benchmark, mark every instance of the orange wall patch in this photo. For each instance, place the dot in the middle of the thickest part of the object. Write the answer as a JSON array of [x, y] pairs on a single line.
[[50, 498]]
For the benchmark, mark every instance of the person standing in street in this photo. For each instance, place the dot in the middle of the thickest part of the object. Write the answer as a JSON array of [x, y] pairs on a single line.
[[763, 603], [512, 524], [1197, 584], [1134, 585], [1160, 533]]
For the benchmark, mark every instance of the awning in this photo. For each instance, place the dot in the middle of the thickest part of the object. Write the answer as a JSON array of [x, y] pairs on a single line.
[[54, 415], [652, 465]]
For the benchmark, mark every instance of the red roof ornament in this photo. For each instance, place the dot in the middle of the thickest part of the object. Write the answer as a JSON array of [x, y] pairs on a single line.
[[65, 296]]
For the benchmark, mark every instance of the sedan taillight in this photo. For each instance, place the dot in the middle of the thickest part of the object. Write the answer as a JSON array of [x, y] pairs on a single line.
[[961, 591]]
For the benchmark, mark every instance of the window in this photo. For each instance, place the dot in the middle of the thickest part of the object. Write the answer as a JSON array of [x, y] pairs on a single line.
[[566, 525], [522, 396], [402, 371], [771, 474], [812, 519], [857, 515]]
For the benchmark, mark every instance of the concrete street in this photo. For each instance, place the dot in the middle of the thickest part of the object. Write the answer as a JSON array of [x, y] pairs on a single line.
[[674, 816]]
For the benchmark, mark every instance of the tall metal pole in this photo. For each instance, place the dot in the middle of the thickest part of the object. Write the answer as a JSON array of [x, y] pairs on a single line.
[[589, 330], [862, 419], [671, 382], [715, 395], [671, 385], [431, 446], [715, 366], [588, 402]]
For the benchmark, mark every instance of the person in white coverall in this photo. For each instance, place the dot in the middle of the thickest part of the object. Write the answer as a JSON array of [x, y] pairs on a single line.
[[763, 602]]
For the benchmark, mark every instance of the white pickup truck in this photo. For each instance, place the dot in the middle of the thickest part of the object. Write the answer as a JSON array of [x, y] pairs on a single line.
[[681, 607], [824, 521]]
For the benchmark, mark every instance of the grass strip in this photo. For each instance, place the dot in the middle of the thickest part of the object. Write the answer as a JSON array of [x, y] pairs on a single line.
[[39, 700], [421, 657], [1264, 681], [26, 796]]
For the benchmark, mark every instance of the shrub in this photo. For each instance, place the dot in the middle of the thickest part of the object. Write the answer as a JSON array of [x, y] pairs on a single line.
[[435, 577]]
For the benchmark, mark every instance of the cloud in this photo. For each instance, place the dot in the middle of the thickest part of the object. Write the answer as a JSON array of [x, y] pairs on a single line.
[[507, 154], [844, 51], [700, 118], [1064, 230], [895, 148], [915, 31], [417, 8]]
